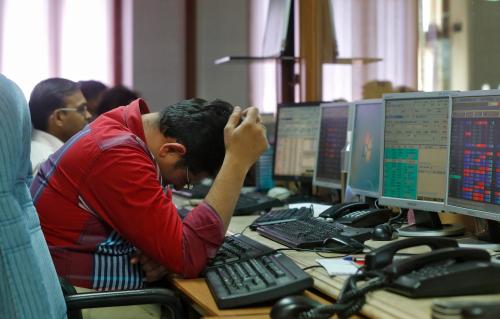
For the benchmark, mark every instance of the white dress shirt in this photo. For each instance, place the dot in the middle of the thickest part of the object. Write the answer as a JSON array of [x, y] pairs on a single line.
[[43, 145]]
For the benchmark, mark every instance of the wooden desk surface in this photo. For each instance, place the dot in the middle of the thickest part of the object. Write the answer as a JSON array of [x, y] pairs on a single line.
[[379, 304], [203, 301]]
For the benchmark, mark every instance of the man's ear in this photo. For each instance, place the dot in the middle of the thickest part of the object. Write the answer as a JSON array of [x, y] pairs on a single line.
[[57, 118], [172, 149]]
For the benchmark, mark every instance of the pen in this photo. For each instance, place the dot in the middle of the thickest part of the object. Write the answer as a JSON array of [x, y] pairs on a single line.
[[357, 260], [353, 258]]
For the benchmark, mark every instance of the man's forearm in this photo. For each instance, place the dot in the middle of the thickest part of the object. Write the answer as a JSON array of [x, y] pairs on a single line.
[[225, 190]]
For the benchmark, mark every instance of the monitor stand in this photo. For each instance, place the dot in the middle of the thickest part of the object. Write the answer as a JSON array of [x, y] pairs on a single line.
[[370, 200], [487, 238], [429, 224]]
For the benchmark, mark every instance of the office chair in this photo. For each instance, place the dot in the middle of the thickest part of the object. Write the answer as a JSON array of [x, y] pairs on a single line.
[[29, 286]]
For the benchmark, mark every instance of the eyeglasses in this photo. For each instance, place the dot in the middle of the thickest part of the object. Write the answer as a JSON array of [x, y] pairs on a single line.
[[82, 109], [188, 182]]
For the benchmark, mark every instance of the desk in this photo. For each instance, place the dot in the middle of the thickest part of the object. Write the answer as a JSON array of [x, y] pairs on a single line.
[[197, 291], [379, 304]]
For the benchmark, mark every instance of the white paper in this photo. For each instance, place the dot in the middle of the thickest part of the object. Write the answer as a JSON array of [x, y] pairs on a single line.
[[338, 267], [317, 208]]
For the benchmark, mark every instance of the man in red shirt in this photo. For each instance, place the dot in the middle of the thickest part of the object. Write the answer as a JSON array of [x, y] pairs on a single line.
[[100, 197]]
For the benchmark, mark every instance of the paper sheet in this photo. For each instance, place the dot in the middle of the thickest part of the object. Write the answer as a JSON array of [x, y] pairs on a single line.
[[338, 267]]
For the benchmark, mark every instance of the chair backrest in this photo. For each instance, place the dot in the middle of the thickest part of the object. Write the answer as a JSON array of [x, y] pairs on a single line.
[[29, 287]]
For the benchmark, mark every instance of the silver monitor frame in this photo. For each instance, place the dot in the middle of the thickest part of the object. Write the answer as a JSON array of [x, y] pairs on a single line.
[[412, 203], [452, 207]]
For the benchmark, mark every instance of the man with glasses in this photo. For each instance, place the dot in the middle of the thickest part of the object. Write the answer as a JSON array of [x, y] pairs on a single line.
[[107, 218], [58, 111]]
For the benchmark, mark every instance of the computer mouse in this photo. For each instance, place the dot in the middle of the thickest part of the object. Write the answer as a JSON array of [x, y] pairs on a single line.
[[342, 244], [384, 232], [291, 307], [280, 193]]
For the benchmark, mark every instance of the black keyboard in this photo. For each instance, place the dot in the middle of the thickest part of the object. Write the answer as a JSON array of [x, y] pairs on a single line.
[[282, 215], [311, 232], [247, 202], [253, 202], [238, 247], [256, 280], [197, 191]]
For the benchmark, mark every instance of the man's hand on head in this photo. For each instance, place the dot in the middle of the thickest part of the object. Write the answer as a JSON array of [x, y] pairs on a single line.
[[153, 271], [245, 136]]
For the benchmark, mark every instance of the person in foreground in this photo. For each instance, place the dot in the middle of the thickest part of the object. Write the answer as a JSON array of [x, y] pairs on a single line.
[[29, 287], [102, 205]]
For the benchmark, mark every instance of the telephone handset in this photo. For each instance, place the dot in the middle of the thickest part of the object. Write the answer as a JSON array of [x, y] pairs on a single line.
[[446, 270], [339, 210], [384, 255], [357, 214]]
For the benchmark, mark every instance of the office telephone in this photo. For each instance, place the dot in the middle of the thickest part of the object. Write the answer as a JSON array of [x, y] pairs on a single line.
[[446, 270], [357, 214]]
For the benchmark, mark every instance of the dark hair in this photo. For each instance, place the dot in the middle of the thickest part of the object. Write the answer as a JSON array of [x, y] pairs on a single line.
[[199, 126], [91, 88], [47, 96], [114, 97]]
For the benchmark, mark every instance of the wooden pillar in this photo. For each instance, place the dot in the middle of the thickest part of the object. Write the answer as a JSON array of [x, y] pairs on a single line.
[[317, 45]]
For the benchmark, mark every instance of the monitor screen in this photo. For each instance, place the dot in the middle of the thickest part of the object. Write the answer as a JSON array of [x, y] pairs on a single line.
[[474, 169], [334, 118], [364, 168], [295, 144], [415, 148]]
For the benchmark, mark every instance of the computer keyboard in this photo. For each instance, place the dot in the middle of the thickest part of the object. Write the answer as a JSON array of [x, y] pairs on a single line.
[[253, 202], [256, 280], [197, 191], [282, 215], [311, 232], [239, 247], [247, 202]]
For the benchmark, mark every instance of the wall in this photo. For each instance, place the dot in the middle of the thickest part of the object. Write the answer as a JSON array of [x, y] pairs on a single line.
[[484, 44], [155, 50], [459, 19], [475, 48], [221, 31], [156, 63]]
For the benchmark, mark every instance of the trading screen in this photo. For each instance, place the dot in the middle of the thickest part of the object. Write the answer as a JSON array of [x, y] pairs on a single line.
[[474, 173], [332, 139], [296, 141], [415, 149]]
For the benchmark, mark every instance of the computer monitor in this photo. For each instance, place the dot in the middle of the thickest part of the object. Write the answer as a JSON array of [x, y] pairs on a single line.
[[295, 144], [334, 121], [364, 165], [414, 158], [474, 157]]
